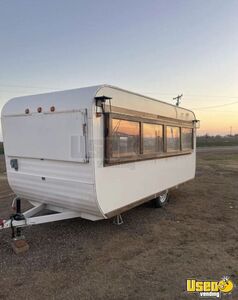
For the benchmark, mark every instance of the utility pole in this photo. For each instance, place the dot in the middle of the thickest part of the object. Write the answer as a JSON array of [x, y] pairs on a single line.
[[178, 99], [231, 131]]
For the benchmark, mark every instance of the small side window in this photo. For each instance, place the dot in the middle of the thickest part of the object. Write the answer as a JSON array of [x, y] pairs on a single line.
[[152, 138], [187, 138], [125, 138], [173, 138]]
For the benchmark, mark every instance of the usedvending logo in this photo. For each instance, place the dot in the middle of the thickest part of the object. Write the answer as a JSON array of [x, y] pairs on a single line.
[[210, 288]]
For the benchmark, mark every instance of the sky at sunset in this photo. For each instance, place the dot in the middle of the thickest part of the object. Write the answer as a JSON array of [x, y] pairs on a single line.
[[158, 48]]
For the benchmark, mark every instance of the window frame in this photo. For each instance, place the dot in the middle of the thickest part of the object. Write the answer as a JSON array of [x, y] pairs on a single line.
[[192, 144], [110, 160], [139, 142], [180, 140], [142, 137]]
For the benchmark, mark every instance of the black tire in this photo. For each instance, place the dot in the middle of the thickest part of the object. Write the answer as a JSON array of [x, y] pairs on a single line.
[[162, 200]]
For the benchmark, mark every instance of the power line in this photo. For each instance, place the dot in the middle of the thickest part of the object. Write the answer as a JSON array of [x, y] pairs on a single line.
[[26, 87], [215, 111], [216, 106], [145, 92], [158, 93], [193, 95], [212, 96]]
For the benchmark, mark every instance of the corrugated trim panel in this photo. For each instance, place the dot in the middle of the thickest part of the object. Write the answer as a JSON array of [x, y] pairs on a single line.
[[68, 185]]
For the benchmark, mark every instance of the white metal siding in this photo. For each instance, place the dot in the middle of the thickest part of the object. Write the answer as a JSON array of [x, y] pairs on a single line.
[[91, 189], [67, 185], [120, 185], [32, 140]]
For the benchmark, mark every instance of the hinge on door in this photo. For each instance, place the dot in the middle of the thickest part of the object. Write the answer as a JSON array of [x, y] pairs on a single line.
[[84, 129], [85, 135]]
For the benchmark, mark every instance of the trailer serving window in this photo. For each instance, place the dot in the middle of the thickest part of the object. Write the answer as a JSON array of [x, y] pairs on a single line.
[[173, 138], [152, 138], [125, 138], [132, 138], [187, 138]]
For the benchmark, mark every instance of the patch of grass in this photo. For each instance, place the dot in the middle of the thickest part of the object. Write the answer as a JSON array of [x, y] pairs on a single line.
[[216, 144], [216, 141], [223, 157]]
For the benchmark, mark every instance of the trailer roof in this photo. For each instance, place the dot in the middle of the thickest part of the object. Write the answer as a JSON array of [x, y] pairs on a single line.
[[69, 99]]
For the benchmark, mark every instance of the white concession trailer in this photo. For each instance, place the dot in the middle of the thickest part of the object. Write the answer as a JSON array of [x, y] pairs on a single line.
[[94, 152]]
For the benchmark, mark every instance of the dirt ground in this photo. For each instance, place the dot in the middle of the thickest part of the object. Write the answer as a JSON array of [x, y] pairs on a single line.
[[150, 256]]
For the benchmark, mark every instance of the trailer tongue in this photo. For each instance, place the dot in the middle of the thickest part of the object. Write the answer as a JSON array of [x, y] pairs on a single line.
[[18, 220], [28, 218]]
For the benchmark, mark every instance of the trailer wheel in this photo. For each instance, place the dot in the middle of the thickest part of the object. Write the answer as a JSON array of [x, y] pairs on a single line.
[[162, 199]]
